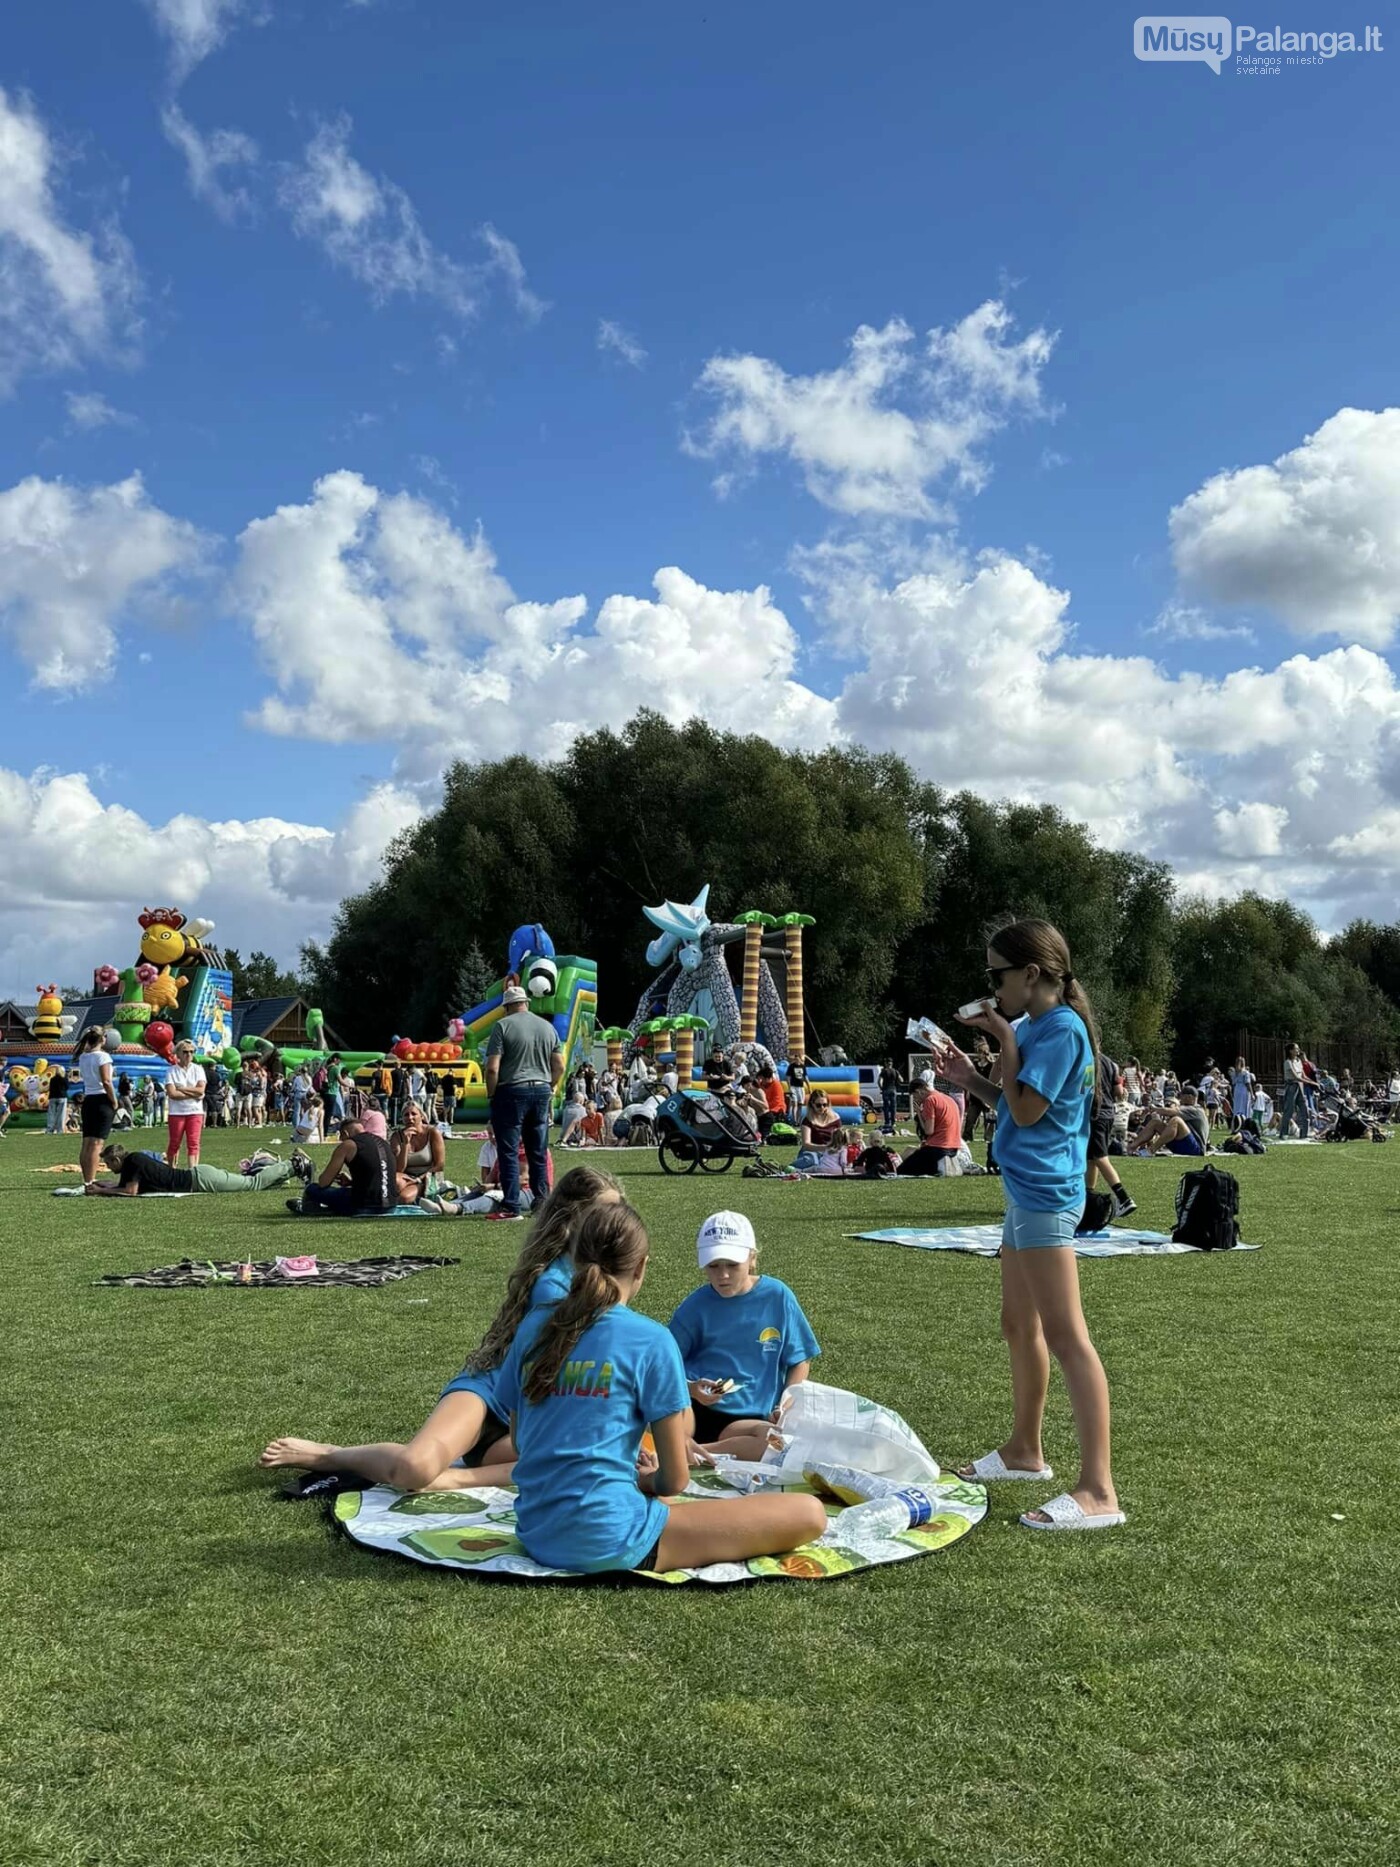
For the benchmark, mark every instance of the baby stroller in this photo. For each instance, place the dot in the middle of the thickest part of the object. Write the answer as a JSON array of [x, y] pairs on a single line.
[[705, 1132]]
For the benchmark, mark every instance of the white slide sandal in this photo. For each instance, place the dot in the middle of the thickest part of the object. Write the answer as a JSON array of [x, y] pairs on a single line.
[[993, 1469], [1066, 1514]]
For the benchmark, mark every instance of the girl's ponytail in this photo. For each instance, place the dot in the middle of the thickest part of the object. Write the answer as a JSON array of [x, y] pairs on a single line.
[[1037, 943], [609, 1247]]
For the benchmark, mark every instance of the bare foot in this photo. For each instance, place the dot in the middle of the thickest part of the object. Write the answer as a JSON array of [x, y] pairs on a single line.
[[1092, 1503], [309, 1453], [1015, 1458]]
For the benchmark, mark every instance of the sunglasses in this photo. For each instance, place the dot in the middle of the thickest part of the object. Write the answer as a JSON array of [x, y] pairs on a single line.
[[995, 974]]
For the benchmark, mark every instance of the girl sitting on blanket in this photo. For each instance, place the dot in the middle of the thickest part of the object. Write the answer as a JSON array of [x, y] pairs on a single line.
[[468, 1421], [743, 1340], [584, 1381], [1044, 1094]]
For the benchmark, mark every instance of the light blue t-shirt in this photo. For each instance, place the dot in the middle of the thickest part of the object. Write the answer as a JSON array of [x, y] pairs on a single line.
[[1043, 1164], [752, 1339], [579, 1507], [549, 1288]]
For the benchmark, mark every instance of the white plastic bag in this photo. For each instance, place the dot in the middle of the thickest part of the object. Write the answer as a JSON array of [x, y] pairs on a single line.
[[819, 1425]]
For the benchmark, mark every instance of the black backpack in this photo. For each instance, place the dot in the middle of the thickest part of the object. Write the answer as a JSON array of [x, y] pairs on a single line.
[[1208, 1210], [1098, 1210]]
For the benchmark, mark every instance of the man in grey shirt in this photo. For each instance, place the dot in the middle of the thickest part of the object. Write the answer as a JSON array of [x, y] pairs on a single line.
[[1184, 1129], [524, 1063]]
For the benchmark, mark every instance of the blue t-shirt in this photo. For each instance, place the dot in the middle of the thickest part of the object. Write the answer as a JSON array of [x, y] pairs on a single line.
[[549, 1288], [579, 1507], [1043, 1164], [752, 1339]]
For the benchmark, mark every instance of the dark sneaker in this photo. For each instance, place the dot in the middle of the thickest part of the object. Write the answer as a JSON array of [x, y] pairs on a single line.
[[295, 1205], [1123, 1203], [302, 1165], [513, 1218]]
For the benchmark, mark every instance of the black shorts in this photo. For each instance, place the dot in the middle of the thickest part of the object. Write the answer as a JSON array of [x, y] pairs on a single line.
[[710, 1422], [490, 1435], [1100, 1134], [98, 1116], [652, 1560]]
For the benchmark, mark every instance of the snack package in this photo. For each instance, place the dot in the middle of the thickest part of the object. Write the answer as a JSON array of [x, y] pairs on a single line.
[[924, 1031]]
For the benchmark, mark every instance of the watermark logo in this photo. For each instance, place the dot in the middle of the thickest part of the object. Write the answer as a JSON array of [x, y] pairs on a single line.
[[1210, 39], [1178, 37]]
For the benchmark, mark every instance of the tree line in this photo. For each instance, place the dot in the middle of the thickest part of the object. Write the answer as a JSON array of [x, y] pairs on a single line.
[[903, 879]]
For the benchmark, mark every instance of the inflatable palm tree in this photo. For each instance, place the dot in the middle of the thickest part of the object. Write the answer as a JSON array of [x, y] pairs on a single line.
[[615, 1037], [753, 921], [684, 1028], [792, 925]]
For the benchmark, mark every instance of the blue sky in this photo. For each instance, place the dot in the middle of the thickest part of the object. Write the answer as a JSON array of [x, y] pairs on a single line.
[[588, 280]]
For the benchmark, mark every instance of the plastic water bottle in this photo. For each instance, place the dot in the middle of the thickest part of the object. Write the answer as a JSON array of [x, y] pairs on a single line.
[[886, 1516]]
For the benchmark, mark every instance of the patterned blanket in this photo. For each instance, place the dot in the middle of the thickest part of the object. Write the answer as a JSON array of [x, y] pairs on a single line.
[[195, 1273], [984, 1241], [474, 1531]]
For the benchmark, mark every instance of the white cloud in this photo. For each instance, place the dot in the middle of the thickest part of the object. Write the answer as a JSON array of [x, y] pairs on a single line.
[[1315, 538], [1187, 622], [379, 620], [1252, 830], [93, 410], [208, 157], [65, 295], [368, 226], [505, 262], [73, 561], [195, 28], [874, 436], [77, 872], [613, 338]]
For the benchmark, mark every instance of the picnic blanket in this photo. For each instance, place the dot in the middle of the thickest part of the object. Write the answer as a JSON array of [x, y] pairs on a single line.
[[984, 1241], [474, 1531], [195, 1273]]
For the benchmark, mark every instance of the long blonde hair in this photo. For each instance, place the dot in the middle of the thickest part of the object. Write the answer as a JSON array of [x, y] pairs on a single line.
[[557, 1219], [610, 1246]]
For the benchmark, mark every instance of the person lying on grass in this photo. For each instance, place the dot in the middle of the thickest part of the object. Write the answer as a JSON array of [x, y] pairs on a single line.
[[469, 1421], [148, 1173], [584, 1381], [743, 1340]]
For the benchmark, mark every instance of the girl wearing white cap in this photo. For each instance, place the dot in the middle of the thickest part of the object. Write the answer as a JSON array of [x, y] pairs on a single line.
[[743, 1339]]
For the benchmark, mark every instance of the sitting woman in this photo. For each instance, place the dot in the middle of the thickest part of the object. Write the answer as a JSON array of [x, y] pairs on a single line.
[[310, 1123], [420, 1153], [467, 1423], [591, 1129], [571, 1120], [823, 1149]]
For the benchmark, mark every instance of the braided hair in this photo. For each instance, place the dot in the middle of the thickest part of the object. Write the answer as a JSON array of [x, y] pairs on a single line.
[[557, 1218], [609, 1248]]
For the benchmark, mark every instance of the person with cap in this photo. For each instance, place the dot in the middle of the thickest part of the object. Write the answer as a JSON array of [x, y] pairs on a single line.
[[524, 1065], [743, 1339], [185, 1084]]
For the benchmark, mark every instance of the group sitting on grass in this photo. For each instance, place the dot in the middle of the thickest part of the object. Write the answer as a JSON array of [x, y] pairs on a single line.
[[593, 1495]]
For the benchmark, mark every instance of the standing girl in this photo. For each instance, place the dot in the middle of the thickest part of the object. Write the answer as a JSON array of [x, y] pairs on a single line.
[[468, 1419], [584, 1382], [184, 1089], [1040, 1019], [99, 1099]]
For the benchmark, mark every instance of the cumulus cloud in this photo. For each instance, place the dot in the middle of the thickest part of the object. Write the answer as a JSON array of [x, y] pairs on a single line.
[[1314, 538], [211, 156], [874, 436], [73, 561], [614, 340], [1188, 622], [78, 870], [369, 227], [195, 28], [66, 295], [378, 619]]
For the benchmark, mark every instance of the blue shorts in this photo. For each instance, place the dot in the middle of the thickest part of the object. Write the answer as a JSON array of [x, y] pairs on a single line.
[[1024, 1230], [1188, 1144]]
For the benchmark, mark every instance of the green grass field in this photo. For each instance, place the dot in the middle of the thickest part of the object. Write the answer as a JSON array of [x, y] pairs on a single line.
[[196, 1672]]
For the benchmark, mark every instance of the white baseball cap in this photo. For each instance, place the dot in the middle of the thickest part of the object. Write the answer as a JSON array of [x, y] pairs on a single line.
[[725, 1238], [515, 995]]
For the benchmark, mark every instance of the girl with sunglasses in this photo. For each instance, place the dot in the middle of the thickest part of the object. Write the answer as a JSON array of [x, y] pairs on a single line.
[[1043, 1088]]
